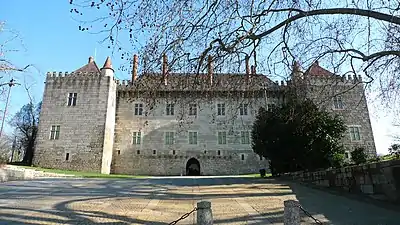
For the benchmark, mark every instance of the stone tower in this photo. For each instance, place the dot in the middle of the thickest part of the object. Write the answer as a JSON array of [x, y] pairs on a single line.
[[76, 124], [344, 96]]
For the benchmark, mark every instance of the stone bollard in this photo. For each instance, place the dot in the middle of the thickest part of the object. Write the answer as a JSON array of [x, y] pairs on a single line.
[[204, 213], [291, 214]]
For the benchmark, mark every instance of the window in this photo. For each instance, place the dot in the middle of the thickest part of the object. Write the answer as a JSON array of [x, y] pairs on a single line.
[[138, 109], [192, 109], [169, 138], [337, 102], [221, 109], [119, 152], [173, 152], [355, 133], [170, 109], [67, 157], [136, 138], [154, 152], [242, 156], [55, 132], [270, 107], [192, 138], [243, 109], [245, 137], [222, 137], [138, 152], [219, 152], [72, 99]]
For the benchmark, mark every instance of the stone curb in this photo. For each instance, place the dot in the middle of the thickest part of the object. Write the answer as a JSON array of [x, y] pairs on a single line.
[[13, 173]]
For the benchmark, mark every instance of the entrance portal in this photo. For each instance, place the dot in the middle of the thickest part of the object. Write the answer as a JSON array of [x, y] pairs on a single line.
[[193, 167]]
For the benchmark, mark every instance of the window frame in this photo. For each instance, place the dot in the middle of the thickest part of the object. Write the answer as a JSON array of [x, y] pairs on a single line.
[[221, 109], [170, 109], [192, 108], [244, 109], [191, 138], [72, 98], [55, 133], [245, 137], [338, 102], [138, 109], [354, 128], [218, 137], [136, 137], [168, 138]]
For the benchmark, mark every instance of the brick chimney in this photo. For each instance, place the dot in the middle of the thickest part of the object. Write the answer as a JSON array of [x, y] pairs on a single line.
[[165, 68], [210, 69], [134, 68], [247, 66], [253, 70]]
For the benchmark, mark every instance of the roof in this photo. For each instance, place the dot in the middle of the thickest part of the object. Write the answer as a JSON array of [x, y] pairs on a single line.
[[193, 82], [316, 70], [90, 67]]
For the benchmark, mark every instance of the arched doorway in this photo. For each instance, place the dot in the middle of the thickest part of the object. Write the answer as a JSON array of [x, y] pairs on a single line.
[[193, 167]]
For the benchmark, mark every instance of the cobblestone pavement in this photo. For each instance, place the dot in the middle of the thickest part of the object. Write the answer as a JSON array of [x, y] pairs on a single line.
[[162, 200]]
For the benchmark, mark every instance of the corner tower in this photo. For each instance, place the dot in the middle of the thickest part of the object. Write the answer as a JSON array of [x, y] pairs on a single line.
[[76, 124]]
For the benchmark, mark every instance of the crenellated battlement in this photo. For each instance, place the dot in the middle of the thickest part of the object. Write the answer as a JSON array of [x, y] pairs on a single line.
[[335, 79], [73, 74], [77, 79]]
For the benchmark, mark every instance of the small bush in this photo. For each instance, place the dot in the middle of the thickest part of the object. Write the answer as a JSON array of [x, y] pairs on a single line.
[[337, 160], [359, 156]]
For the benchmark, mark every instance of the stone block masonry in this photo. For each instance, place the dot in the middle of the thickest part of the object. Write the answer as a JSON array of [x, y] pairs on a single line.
[[169, 124], [379, 180], [79, 145]]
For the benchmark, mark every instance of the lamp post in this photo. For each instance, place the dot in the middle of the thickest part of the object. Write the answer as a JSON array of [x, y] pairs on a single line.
[[10, 84]]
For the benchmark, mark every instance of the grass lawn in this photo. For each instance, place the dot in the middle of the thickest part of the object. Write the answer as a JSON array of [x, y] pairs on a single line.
[[83, 174], [99, 175], [257, 175]]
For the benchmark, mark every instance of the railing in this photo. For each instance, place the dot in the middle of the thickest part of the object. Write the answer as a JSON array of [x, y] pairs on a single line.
[[204, 214], [291, 215]]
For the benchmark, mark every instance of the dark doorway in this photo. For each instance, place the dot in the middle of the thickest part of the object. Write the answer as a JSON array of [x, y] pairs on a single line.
[[193, 167]]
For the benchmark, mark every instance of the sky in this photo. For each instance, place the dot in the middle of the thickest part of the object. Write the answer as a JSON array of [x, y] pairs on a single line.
[[50, 40]]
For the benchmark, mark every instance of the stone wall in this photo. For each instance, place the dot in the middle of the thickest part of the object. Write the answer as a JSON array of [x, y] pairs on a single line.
[[378, 180], [12, 173], [168, 164], [355, 111], [153, 157], [82, 126]]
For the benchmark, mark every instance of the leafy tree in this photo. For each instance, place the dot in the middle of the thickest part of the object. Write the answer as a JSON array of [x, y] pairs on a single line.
[[298, 136], [395, 150], [358, 155], [25, 122]]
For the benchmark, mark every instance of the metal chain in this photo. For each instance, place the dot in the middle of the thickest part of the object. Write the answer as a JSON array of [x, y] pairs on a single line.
[[184, 216], [309, 215]]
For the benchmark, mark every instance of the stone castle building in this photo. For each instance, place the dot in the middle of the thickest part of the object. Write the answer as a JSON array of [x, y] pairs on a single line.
[[175, 124]]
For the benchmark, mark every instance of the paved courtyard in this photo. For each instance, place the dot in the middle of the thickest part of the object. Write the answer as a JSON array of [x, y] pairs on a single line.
[[162, 200]]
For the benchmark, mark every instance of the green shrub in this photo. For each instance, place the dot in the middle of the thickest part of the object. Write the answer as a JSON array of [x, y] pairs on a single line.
[[359, 156]]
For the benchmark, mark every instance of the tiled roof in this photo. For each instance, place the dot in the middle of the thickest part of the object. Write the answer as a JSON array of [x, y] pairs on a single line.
[[90, 67], [179, 82], [316, 70]]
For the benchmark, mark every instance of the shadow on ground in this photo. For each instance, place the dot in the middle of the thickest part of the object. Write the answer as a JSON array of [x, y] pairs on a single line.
[[127, 201], [81, 201]]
